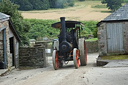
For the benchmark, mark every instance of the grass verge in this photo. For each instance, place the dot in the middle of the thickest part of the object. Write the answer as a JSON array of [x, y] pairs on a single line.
[[99, 6], [93, 39], [115, 57]]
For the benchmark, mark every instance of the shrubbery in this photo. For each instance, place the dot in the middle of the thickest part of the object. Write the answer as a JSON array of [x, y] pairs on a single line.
[[42, 28]]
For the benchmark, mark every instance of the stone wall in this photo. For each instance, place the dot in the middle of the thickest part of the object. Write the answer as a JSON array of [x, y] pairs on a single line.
[[102, 39], [32, 57], [125, 34], [92, 46]]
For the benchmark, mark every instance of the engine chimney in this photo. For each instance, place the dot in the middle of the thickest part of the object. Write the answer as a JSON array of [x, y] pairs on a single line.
[[63, 27]]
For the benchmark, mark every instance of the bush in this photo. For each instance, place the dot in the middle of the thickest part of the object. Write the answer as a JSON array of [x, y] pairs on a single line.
[[90, 27], [42, 28]]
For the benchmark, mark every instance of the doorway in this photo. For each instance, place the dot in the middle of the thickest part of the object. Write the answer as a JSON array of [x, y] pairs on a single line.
[[115, 37], [11, 41]]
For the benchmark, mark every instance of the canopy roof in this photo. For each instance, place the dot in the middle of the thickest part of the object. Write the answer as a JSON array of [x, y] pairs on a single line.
[[69, 24]]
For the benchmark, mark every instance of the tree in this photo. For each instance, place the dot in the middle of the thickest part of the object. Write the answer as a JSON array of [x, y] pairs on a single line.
[[26, 5], [52, 3], [113, 4], [81, 0], [40, 4], [22, 27], [61, 4], [23, 4]]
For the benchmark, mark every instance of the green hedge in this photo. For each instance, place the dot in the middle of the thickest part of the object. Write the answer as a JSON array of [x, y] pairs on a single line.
[[42, 28]]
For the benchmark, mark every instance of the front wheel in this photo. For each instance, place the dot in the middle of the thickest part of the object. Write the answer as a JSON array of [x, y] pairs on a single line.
[[76, 57], [55, 60]]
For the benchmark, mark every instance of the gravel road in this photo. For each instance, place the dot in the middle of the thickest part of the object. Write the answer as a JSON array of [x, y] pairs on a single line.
[[68, 75]]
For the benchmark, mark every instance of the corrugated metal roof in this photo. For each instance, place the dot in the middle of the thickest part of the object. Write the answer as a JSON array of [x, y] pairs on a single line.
[[120, 14], [3, 16]]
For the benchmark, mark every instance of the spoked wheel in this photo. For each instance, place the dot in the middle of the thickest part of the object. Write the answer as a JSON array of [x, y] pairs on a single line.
[[76, 57], [55, 60], [83, 52]]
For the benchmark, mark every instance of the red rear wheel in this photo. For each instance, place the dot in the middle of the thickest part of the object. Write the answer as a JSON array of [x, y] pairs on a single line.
[[83, 52]]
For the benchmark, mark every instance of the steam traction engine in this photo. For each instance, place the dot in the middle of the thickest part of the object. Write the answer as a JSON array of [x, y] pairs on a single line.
[[68, 46]]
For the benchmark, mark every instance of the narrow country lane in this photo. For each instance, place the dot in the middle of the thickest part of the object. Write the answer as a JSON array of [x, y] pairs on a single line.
[[67, 75]]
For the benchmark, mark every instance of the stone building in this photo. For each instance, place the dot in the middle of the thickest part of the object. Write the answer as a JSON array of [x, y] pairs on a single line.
[[9, 43], [113, 33]]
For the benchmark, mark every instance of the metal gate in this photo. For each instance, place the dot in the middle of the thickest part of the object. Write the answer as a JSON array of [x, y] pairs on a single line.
[[115, 37]]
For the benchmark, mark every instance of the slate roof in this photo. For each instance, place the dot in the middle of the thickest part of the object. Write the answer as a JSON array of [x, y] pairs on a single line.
[[120, 14], [3, 16]]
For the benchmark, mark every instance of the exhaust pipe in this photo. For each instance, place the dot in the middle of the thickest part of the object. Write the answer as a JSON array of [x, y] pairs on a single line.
[[63, 28]]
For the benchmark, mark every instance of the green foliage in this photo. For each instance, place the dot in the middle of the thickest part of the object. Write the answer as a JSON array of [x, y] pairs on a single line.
[[32, 4], [70, 2], [42, 28], [124, 1], [89, 28], [20, 25], [113, 4], [25, 3], [42, 4], [39, 4], [61, 3], [52, 3], [81, 0]]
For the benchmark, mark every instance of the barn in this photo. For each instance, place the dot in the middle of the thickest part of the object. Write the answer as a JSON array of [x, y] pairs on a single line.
[[113, 33], [9, 43]]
